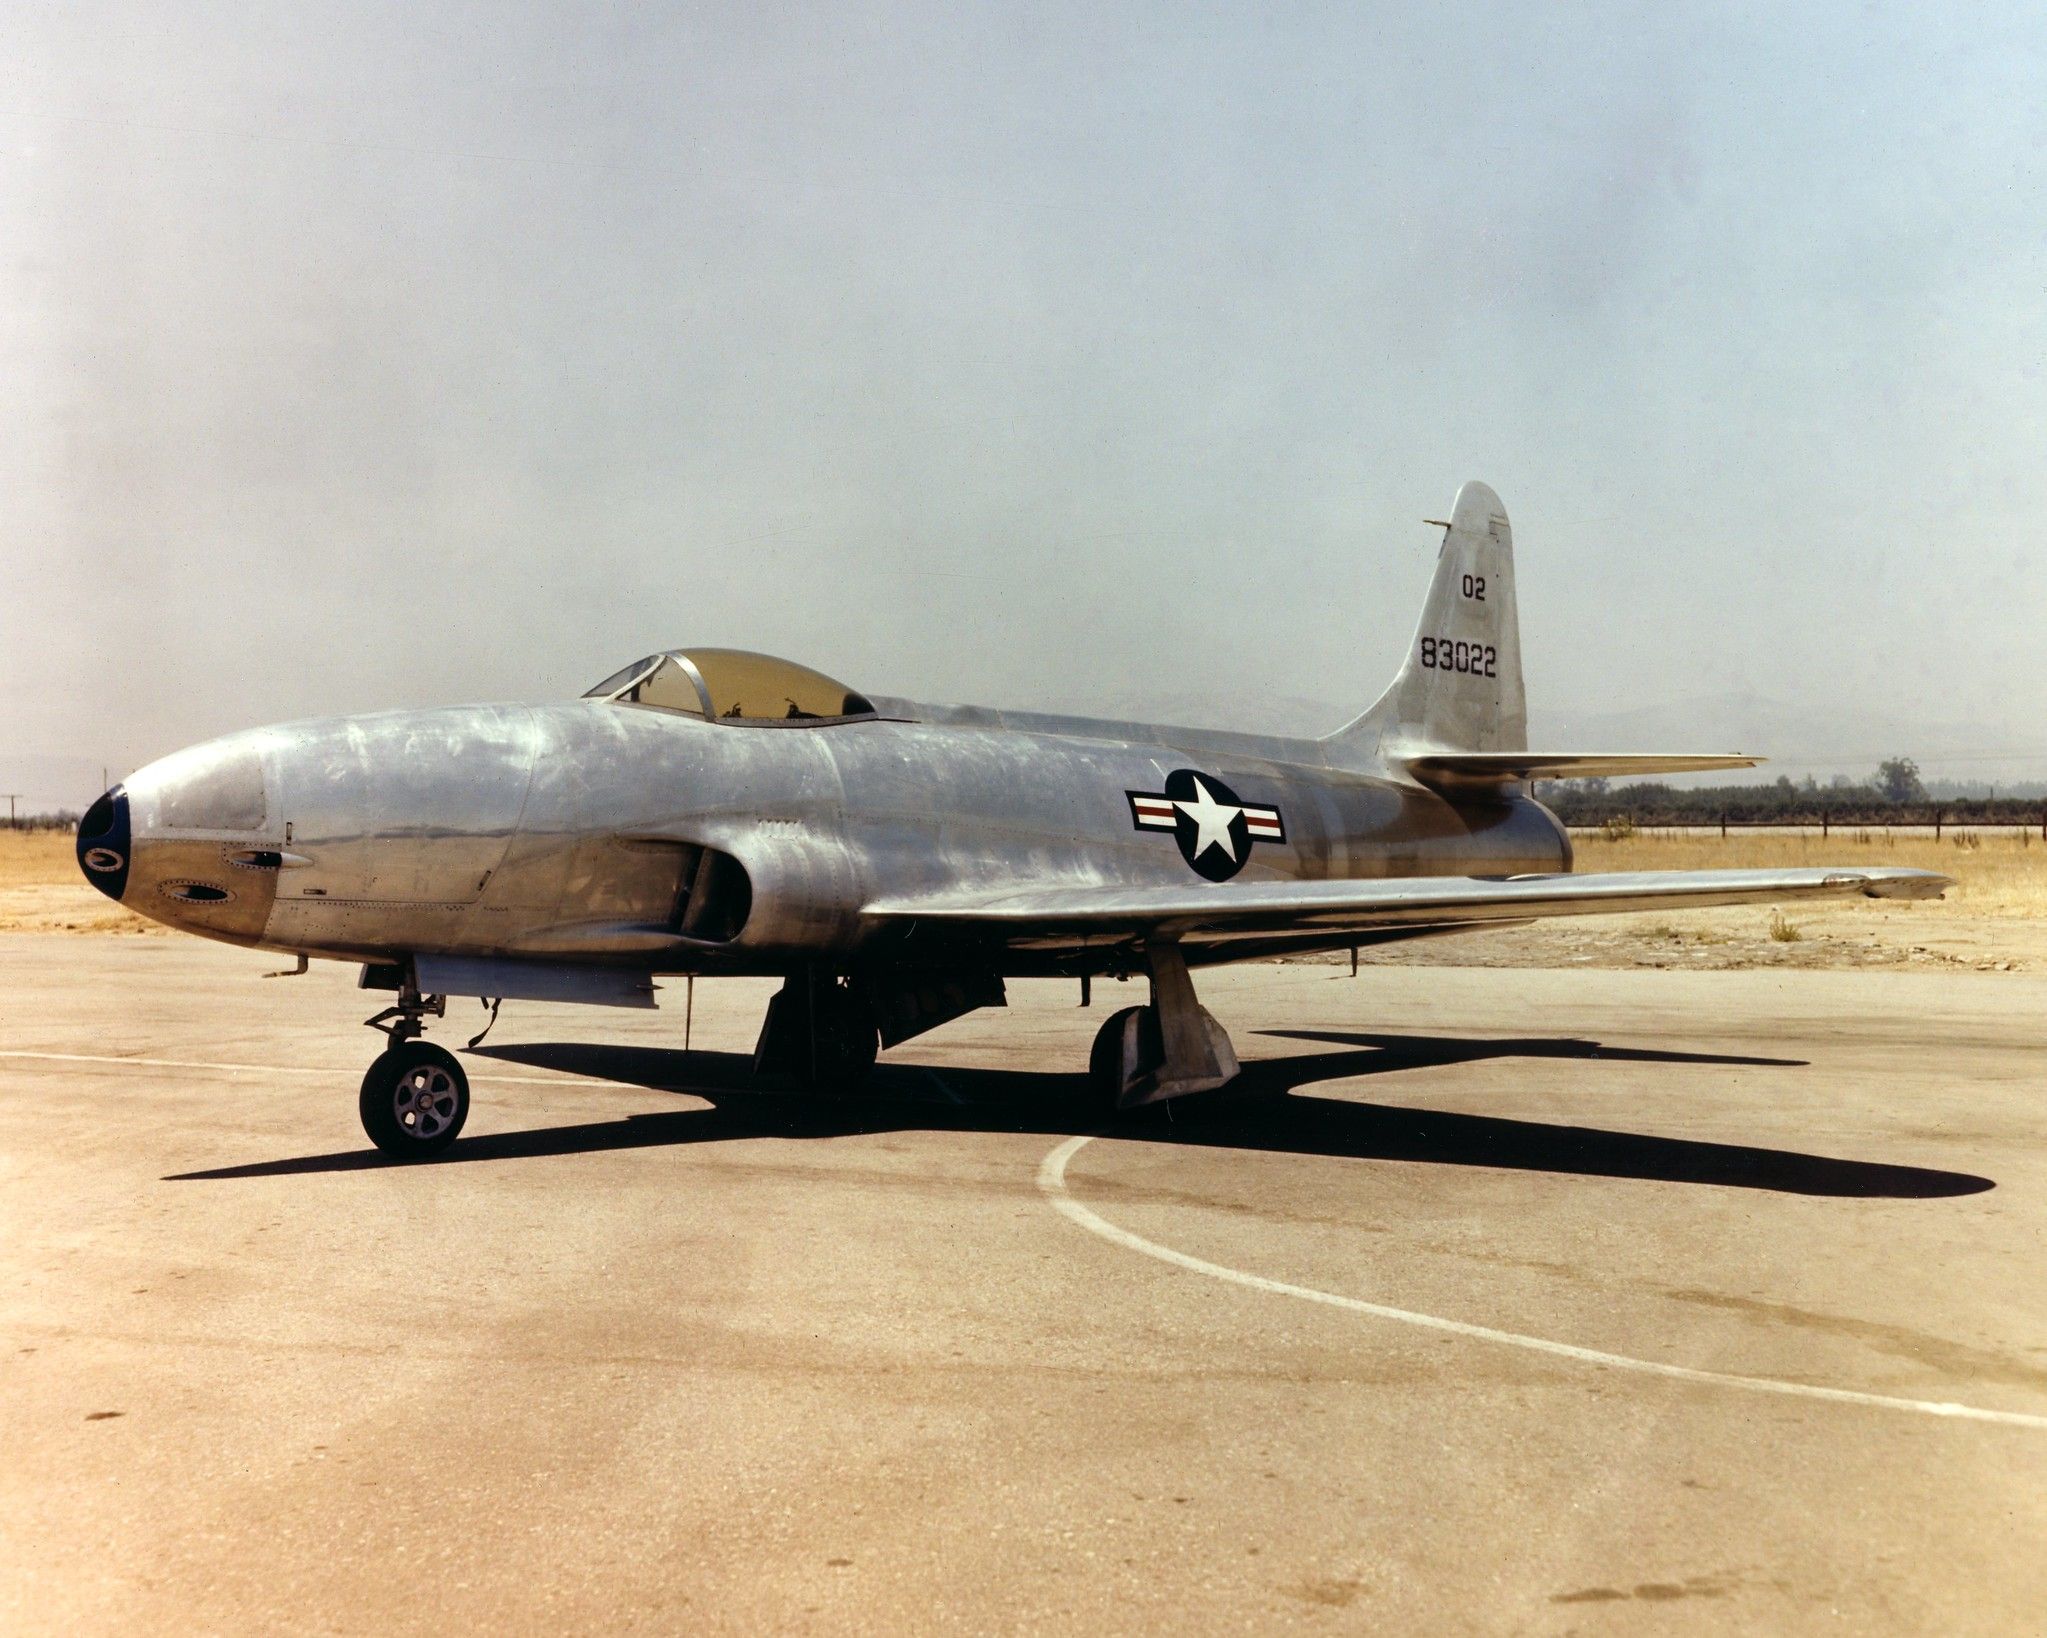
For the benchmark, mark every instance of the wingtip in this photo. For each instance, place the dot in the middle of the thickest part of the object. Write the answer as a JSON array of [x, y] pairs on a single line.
[[1907, 884]]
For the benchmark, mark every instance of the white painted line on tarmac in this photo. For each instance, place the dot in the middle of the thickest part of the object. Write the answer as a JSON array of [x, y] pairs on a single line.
[[1052, 1180], [257, 1069]]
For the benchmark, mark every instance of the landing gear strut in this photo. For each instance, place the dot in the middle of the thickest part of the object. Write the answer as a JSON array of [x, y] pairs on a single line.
[[1165, 1050], [819, 1032], [415, 1096]]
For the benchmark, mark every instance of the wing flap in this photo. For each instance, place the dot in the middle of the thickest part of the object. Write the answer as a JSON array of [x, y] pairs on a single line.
[[1237, 908]]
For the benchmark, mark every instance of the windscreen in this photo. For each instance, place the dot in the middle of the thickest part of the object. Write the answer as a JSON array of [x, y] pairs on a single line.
[[618, 679]]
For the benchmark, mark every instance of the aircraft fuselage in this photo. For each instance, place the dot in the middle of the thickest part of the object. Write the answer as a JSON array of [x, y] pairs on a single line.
[[577, 831]]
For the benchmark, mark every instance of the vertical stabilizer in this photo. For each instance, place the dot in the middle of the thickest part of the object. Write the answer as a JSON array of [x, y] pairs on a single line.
[[1460, 687]]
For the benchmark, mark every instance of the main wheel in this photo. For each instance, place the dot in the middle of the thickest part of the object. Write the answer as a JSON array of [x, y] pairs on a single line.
[[415, 1098], [1128, 1039]]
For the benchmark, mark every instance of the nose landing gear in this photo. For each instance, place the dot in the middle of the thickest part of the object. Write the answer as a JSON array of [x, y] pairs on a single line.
[[415, 1096]]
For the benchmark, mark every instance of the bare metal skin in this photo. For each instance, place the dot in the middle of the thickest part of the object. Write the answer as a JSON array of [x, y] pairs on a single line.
[[894, 860]]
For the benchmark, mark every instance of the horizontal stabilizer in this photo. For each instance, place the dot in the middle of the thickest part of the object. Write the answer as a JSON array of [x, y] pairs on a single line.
[[1486, 767]]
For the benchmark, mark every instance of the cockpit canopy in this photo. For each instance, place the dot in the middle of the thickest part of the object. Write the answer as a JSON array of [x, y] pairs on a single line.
[[731, 685]]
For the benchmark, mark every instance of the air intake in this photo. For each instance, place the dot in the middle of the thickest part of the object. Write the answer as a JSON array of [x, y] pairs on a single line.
[[716, 898]]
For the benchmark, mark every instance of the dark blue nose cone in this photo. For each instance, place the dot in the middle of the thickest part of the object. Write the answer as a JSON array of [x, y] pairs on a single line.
[[103, 843]]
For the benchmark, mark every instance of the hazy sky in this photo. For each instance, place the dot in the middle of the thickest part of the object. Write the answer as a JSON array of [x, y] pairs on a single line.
[[358, 355]]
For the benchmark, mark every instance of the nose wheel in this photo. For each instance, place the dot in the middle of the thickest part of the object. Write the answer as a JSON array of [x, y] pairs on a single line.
[[415, 1098]]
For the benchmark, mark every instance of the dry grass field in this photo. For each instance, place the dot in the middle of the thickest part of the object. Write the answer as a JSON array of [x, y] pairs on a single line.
[[41, 890], [1995, 917], [1997, 872], [36, 858]]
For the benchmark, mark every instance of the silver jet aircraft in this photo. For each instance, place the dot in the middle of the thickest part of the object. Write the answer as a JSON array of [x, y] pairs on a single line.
[[708, 811]]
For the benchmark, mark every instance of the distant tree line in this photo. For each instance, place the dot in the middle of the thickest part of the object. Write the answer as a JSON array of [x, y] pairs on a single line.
[[1894, 795]]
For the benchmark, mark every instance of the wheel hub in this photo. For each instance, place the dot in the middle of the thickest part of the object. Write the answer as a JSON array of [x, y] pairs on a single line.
[[425, 1101]]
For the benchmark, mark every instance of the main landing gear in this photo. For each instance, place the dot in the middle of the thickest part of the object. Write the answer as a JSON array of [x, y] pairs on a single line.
[[1165, 1050], [818, 1032], [415, 1096]]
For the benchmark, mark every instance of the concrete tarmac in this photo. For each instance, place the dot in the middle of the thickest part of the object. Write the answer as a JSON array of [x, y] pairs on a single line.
[[1515, 1301]]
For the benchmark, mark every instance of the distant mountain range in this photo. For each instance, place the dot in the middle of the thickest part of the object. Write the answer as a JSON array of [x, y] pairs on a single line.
[[1803, 740], [1800, 740]]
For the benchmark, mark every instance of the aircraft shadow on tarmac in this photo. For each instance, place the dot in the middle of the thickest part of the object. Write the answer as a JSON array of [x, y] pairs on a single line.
[[1266, 1110]]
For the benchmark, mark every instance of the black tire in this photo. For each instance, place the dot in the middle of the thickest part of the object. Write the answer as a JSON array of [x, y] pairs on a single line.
[[1105, 1059], [415, 1098]]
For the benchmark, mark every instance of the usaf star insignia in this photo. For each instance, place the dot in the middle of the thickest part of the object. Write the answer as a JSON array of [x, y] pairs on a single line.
[[1215, 831]]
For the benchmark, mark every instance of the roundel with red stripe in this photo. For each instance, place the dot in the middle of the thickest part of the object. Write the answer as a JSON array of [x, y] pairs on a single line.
[[1215, 830]]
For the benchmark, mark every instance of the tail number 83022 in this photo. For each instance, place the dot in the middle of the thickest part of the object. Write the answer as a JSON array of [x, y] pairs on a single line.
[[1472, 659]]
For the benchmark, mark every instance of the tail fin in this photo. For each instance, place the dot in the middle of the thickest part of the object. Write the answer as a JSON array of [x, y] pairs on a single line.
[[1460, 688]]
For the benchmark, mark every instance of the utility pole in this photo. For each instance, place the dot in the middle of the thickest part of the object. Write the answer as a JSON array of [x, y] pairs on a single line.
[[11, 796]]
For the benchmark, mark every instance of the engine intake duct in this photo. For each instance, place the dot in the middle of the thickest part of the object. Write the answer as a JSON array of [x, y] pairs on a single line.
[[716, 897], [647, 896]]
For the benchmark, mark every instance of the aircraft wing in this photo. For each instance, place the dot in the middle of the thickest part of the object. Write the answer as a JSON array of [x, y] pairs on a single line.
[[1479, 767], [1025, 913]]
